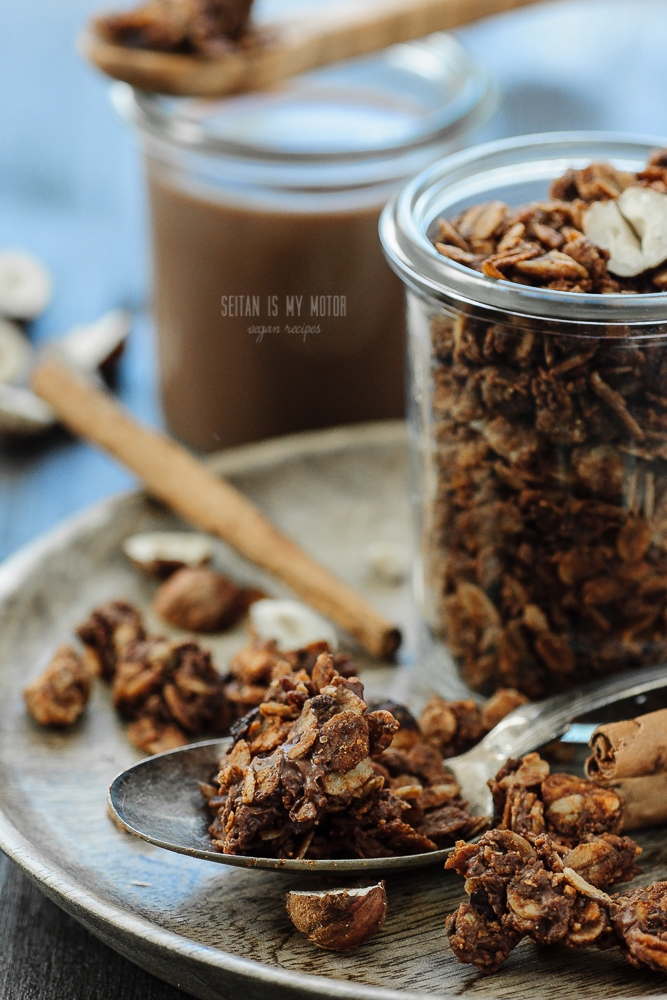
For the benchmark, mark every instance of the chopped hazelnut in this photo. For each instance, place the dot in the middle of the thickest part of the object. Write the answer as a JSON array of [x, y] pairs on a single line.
[[161, 553], [339, 919]]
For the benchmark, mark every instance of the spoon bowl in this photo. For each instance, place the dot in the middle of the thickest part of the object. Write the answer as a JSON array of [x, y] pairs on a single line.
[[158, 799]]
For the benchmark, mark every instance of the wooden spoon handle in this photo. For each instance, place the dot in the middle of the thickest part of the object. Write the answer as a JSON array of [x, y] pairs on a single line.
[[185, 484], [339, 30]]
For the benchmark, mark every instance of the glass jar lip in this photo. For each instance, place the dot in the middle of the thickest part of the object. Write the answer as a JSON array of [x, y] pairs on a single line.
[[410, 252], [157, 116]]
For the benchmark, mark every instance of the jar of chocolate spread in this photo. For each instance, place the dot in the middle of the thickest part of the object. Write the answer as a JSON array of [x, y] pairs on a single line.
[[275, 309]]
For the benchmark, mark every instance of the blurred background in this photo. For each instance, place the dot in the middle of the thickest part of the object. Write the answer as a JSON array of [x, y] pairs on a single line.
[[72, 192]]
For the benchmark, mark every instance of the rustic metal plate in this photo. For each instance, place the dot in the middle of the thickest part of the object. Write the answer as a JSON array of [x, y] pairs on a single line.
[[214, 931]]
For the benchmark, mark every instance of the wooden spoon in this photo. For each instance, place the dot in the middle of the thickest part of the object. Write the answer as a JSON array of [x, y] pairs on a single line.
[[340, 30]]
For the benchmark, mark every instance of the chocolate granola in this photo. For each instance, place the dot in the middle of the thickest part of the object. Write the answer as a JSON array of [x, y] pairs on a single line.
[[61, 692], [198, 27], [456, 726], [109, 631], [530, 801], [548, 526], [170, 691], [313, 774], [520, 889], [640, 921]]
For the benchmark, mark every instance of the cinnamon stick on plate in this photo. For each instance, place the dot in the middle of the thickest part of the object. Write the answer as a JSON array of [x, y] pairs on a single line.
[[630, 749], [176, 477]]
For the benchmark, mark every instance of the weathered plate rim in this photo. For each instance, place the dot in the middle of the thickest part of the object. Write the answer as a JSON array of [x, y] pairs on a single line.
[[59, 885]]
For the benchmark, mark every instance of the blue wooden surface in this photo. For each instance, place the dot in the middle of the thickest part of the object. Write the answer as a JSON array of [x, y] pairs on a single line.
[[71, 191]]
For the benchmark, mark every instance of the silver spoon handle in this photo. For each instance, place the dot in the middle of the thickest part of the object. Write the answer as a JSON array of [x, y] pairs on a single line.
[[537, 723]]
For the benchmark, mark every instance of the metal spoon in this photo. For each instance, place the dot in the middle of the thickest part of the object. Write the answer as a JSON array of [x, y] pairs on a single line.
[[158, 799]]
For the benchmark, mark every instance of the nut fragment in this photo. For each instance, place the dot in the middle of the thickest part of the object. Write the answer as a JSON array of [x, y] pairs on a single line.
[[605, 226], [161, 553], [60, 694], [25, 285], [338, 919], [290, 624], [22, 413], [388, 562], [15, 352], [633, 229], [200, 600], [98, 345], [646, 211]]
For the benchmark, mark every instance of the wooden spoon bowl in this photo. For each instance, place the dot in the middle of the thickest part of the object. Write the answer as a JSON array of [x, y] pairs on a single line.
[[340, 30]]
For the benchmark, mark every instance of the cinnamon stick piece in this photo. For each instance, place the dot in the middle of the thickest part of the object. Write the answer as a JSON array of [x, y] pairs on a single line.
[[644, 801], [629, 749], [176, 477]]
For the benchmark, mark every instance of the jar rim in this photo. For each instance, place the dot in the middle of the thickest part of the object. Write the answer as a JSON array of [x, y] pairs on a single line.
[[178, 121], [406, 219]]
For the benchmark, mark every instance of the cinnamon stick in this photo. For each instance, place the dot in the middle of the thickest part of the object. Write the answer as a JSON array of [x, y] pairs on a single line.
[[629, 749], [644, 801], [176, 477]]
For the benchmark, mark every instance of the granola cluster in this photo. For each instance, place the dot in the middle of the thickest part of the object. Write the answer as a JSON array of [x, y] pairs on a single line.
[[528, 800], [543, 244], [541, 871], [197, 27], [456, 726], [547, 552], [251, 670], [313, 774], [640, 922], [61, 692], [168, 690], [519, 888]]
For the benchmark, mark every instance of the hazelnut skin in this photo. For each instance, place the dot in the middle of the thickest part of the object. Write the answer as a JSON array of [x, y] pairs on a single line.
[[338, 919], [199, 600]]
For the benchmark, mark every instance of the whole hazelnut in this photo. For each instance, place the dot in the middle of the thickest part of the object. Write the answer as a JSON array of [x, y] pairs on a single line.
[[338, 919], [199, 600]]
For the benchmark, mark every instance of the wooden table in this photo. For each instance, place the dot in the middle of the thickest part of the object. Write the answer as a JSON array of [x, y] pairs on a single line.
[[71, 191]]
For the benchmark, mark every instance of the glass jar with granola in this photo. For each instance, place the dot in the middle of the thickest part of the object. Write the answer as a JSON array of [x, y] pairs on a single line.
[[536, 277]]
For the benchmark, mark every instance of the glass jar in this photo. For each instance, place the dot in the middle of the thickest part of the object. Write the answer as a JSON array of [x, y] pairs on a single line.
[[540, 496], [275, 309]]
